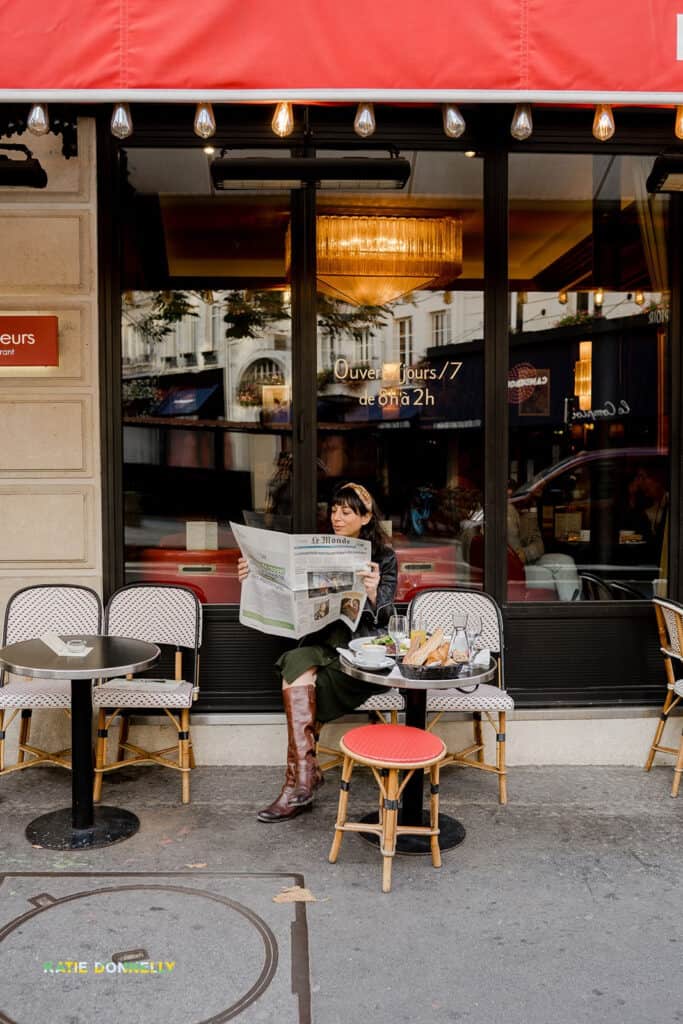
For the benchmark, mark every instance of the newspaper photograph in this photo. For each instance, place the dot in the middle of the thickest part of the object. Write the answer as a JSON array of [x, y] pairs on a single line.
[[299, 583]]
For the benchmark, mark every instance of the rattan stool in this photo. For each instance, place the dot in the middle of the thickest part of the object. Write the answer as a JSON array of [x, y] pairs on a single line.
[[388, 750]]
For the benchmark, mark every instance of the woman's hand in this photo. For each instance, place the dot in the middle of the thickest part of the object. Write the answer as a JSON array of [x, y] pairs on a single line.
[[370, 577], [242, 569]]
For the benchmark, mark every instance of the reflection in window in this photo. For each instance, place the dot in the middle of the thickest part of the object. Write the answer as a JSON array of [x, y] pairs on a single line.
[[441, 327], [588, 491], [403, 336]]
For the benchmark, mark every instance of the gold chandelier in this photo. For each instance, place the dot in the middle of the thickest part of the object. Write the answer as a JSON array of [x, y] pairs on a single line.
[[372, 260], [368, 261]]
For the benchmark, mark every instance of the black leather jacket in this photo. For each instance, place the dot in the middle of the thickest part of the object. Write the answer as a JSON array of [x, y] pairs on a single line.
[[378, 617]]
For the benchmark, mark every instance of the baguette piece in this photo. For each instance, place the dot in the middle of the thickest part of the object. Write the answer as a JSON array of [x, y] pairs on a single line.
[[419, 656]]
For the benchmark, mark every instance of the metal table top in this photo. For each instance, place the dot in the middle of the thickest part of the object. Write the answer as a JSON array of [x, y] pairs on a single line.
[[110, 656], [381, 678]]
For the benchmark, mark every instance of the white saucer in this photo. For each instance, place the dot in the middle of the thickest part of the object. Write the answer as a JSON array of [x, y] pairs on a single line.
[[385, 663]]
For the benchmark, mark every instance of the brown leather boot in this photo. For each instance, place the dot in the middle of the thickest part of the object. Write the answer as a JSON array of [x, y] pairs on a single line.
[[303, 774]]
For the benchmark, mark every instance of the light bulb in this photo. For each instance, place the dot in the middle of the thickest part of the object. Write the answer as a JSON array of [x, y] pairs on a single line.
[[639, 298], [599, 296], [38, 122], [453, 121], [121, 121], [209, 150], [603, 122], [364, 121], [678, 127], [470, 153], [522, 123], [204, 121], [283, 120], [563, 298]]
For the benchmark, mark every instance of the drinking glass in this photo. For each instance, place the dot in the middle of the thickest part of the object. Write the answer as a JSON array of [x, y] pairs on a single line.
[[419, 631], [398, 630], [474, 630]]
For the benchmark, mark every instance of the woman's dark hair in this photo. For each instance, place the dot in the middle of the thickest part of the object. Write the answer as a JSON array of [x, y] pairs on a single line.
[[372, 531]]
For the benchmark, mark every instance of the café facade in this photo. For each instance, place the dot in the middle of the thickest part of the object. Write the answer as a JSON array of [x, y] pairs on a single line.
[[257, 251]]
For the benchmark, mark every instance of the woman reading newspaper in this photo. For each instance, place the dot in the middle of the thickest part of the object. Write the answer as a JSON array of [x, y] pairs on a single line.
[[313, 686]]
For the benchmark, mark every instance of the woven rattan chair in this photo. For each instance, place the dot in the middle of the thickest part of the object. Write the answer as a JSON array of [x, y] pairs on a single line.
[[161, 614], [31, 612], [670, 625], [388, 750], [436, 608]]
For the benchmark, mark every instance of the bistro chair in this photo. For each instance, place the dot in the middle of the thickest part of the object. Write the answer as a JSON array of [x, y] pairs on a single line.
[[160, 614], [437, 608], [31, 612], [387, 750], [670, 626]]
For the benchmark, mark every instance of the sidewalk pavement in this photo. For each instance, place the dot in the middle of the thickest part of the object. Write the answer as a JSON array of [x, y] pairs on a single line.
[[565, 906]]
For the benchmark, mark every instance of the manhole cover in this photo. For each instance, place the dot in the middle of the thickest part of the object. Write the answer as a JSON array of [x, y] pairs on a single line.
[[175, 948]]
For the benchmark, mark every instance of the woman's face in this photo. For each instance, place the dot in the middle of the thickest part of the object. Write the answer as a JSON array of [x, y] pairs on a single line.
[[346, 521]]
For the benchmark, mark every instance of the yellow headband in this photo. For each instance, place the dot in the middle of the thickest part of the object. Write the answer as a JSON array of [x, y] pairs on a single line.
[[363, 494]]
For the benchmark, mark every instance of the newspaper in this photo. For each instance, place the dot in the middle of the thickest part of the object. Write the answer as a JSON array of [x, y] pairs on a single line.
[[299, 583]]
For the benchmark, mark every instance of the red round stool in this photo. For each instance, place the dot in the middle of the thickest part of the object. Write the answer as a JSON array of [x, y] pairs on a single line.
[[388, 750]]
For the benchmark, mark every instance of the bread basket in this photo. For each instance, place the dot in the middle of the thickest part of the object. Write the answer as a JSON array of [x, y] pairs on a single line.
[[427, 672]]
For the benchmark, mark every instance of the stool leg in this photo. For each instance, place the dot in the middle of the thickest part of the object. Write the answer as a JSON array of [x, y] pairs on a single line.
[[389, 829], [678, 770], [434, 814], [383, 772], [344, 787], [500, 760], [2, 741], [100, 753]]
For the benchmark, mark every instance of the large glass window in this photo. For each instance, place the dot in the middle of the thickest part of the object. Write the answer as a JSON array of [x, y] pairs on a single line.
[[405, 420], [588, 380], [207, 376]]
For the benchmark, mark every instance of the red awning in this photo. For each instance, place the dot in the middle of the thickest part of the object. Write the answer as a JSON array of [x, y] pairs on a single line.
[[542, 50]]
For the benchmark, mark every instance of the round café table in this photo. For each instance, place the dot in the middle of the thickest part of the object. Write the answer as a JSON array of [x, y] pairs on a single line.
[[81, 826], [413, 812]]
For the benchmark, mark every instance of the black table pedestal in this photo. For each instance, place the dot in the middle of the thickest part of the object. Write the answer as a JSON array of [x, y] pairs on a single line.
[[81, 826], [55, 830], [451, 832]]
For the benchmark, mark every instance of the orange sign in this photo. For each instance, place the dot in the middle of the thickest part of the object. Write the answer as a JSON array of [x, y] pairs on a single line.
[[28, 341]]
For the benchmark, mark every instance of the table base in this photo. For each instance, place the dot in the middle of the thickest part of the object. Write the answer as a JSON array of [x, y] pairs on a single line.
[[451, 833], [55, 831]]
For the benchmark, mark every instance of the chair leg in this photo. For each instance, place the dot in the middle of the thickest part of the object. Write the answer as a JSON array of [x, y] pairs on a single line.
[[100, 753], [193, 763], [434, 814], [389, 829], [123, 737], [2, 740], [184, 753], [500, 760], [668, 701], [24, 732], [678, 770], [393, 716], [478, 736], [344, 786]]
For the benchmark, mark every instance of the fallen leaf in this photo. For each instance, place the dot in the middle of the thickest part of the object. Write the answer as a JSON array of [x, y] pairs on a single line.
[[195, 865], [295, 894]]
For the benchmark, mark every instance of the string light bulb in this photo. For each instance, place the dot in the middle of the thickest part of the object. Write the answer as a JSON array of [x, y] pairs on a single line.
[[38, 122], [364, 122], [453, 121], [678, 126], [599, 297], [283, 119], [639, 297], [522, 124], [563, 298], [204, 121], [603, 122], [121, 121]]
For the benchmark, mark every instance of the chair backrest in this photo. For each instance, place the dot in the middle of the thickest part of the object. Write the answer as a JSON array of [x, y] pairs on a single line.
[[437, 608], [59, 607], [159, 613], [670, 624], [593, 588]]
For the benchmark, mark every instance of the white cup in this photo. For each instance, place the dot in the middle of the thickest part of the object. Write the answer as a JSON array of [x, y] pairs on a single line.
[[372, 655]]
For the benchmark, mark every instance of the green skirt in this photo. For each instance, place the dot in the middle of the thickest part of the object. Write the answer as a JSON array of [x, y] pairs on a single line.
[[336, 693]]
